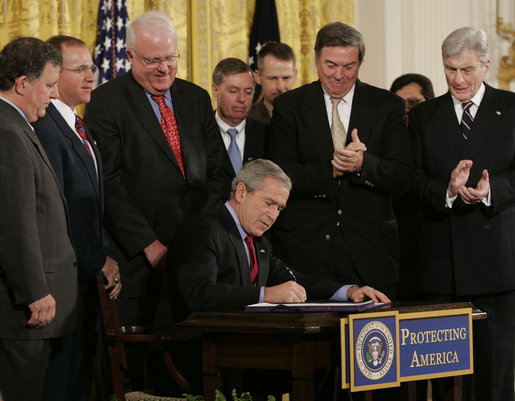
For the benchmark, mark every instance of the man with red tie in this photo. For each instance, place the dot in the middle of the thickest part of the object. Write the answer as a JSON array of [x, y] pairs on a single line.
[[223, 261], [162, 156], [77, 163]]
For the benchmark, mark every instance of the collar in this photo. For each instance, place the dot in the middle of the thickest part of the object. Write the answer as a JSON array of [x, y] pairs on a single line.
[[66, 112], [224, 126], [18, 110], [236, 220], [478, 97]]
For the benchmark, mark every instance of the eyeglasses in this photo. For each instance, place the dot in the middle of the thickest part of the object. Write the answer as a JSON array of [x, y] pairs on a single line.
[[154, 62], [82, 70]]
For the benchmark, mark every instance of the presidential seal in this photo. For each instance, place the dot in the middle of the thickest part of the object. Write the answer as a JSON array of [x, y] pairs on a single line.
[[374, 350]]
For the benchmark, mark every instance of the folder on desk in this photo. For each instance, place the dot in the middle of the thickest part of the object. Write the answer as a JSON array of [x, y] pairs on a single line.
[[312, 307]]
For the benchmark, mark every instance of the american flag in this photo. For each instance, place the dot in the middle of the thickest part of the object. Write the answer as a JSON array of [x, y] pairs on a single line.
[[109, 53]]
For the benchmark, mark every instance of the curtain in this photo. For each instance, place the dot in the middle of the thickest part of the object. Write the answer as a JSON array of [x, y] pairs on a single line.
[[209, 30]]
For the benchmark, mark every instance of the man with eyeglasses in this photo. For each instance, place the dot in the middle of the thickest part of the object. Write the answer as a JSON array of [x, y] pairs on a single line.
[[76, 161], [162, 156]]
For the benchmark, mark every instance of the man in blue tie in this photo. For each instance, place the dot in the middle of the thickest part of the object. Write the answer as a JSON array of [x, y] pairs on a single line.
[[465, 169], [244, 138]]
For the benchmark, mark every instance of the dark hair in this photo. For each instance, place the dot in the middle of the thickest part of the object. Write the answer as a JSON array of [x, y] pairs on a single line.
[[25, 56], [58, 41], [339, 34], [255, 172], [278, 50], [406, 79], [230, 66]]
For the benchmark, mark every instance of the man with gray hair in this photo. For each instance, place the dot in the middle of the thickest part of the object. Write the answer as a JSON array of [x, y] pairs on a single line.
[[224, 262], [346, 148], [162, 155], [465, 169], [38, 268], [244, 138]]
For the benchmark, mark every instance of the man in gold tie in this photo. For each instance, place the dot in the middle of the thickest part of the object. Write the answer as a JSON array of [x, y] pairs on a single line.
[[345, 146]]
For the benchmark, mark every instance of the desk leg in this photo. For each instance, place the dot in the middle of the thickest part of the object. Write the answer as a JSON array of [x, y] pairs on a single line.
[[212, 374], [303, 372]]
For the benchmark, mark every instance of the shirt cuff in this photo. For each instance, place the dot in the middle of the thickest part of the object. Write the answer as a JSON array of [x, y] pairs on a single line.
[[449, 201], [261, 294], [341, 293]]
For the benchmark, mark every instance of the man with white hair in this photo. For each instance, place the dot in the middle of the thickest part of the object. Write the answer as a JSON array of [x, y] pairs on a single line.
[[466, 183], [162, 153]]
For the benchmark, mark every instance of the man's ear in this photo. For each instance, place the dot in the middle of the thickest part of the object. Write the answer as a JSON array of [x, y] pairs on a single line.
[[241, 192], [214, 91], [21, 84], [257, 74]]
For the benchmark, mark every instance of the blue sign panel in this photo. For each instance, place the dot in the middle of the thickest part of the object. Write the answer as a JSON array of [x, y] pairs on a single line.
[[374, 346], [435, 346]]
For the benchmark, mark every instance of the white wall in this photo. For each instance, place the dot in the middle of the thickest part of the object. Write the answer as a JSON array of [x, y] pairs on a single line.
[[404, 36]]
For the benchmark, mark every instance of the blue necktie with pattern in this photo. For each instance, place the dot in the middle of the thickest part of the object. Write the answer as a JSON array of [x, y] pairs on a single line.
[[234, 151], [466, 119]]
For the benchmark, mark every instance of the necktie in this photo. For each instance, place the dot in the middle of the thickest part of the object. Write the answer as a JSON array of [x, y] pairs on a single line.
[[234, 151], [170, 129], [79, 127], [466, 119], [337, 129], [253, 261]]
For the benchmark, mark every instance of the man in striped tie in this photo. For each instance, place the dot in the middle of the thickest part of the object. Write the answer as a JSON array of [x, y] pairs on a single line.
[[465, 179], [78, 166]]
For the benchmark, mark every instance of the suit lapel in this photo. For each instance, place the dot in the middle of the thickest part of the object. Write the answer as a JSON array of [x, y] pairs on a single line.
[[487, 116], [143, 111], [78, 147], [362, 113], [318, 129], [237, 244], [447, 126], [263, 262], [251, 142]]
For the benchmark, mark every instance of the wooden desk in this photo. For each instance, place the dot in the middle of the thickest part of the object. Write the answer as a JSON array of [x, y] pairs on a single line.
[[299, 342]]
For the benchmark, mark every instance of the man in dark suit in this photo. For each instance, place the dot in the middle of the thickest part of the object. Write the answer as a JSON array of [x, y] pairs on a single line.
[[276, 73], [38, 269], [162, 161], [78, 166], [465, 177], [345, 162], [244, 138], [224, 262]]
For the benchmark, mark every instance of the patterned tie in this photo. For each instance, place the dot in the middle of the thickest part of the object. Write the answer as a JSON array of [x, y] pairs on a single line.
[[170, 129], [253, 261], [234, 151], [466, 119], [79, 127], [337, 129]]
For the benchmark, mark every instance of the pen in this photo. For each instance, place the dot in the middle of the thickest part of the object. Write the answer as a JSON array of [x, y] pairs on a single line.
[[291, 273]]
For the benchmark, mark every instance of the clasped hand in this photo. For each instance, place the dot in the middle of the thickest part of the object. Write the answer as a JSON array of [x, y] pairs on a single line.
[[458, 181], [349, 159]]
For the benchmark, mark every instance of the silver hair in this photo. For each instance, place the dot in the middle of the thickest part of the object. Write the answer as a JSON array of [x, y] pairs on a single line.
[[466, 38], [253, 173], [153, 22]]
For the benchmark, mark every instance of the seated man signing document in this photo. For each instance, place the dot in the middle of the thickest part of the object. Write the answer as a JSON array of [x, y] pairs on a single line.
[[224, 262]]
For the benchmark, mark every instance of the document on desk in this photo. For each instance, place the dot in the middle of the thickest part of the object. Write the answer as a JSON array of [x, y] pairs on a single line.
[[312, 307]]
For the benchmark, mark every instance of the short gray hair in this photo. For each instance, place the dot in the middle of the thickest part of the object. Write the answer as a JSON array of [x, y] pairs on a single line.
[[339, 34], [253, 173], [154, 22], [467, 38]]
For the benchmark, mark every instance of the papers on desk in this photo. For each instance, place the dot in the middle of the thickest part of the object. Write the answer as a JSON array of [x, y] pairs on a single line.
[[312, 307]]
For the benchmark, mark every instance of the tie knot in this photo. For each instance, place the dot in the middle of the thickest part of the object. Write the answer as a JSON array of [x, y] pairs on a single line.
[[336, 101], [232, 132], [466, 105], [78, 123], [248, 241], [160, 100]]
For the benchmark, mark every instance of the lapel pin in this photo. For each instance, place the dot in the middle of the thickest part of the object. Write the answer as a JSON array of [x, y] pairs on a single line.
[[497, 112], [262, 251]]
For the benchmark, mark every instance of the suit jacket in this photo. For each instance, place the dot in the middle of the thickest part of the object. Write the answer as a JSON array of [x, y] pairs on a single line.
[[358, 206], [36, 252], [467, 249], [259, 112], [82, 187], [213, 271], [146, 196], [255, 146]]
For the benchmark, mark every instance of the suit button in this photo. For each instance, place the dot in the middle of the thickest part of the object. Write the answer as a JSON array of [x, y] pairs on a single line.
[[340, 212], [337, 224], [327, 237]]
